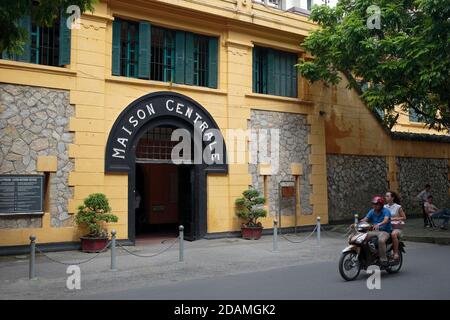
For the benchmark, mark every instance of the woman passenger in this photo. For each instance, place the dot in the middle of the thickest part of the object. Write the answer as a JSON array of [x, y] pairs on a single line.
[[397, 217]]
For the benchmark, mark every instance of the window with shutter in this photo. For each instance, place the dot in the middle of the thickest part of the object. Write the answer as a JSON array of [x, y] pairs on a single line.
[[274, 72]]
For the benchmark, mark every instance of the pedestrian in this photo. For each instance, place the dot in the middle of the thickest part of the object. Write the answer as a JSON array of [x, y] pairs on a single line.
[[423, 198], [434, 212]]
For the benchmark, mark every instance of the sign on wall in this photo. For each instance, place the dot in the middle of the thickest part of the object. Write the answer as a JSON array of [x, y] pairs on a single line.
[[21, 194], [164, 109]]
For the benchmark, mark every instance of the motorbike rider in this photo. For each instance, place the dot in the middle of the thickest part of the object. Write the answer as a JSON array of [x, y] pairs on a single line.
[[380, 217]]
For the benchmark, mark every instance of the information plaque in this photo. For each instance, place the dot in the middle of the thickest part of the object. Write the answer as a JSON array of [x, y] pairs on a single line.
[[21, 194]]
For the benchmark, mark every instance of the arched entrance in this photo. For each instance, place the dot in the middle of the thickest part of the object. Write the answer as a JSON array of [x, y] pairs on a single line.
[[140, 145]]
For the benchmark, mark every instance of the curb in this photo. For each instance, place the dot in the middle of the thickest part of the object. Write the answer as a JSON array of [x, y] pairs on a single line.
[[436, 240]]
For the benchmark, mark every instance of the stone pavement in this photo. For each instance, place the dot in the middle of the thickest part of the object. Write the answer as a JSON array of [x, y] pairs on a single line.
[[414, 231], [202, 259]]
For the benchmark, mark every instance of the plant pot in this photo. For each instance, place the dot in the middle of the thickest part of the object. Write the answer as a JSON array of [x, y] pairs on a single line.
[[91, 244], [251, 233]]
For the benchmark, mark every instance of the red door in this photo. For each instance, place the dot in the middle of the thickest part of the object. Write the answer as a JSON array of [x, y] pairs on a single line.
[[160, 197]]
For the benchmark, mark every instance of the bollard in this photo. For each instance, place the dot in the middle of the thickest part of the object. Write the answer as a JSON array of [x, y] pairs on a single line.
[[318, 231], [32, 274], [113, 251], [356, 220], [275, 235], [181, 246]]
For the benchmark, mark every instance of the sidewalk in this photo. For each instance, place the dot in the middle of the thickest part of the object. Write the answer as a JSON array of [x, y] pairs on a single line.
[[202, 259], [414, 231]]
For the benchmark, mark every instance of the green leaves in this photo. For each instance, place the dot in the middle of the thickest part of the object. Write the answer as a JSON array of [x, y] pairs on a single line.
[[94, 213], [406, 61], [249, 208], [13, 36]]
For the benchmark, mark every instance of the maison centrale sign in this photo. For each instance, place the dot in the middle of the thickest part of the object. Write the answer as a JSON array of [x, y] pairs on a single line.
[[21, 194], [193, 124]]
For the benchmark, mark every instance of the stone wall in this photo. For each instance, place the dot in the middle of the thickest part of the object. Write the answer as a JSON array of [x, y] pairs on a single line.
[[33, 122], [293, 148], [352, 181], [414, 173]]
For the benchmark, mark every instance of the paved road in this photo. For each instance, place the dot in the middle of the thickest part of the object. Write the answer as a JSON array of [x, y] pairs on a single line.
[[425, 275]]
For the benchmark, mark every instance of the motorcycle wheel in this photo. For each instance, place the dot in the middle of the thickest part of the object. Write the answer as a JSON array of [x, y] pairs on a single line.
[[349, 266], [396, 268]]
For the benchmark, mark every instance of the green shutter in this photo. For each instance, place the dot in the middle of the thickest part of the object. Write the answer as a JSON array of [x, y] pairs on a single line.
[[294, 77], [145, 36], [276, 73], [288, 72], [25, 22], [116, 48], [180, 56], [213, 65], [189, 73], [270, 71], [283, 74], [64, 40]]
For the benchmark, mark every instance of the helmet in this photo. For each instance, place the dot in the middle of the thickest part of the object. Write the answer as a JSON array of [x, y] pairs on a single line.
[[377, 200]]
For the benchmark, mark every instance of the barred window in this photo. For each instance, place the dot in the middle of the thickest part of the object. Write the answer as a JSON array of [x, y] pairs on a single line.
[[162, 64], [201, 44], [129, 44]]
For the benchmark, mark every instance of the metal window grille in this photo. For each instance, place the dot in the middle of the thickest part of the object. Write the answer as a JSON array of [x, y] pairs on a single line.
[[156, 144], [129, 42], [201, 46], [162, 64], [260, 70], [44, 44]]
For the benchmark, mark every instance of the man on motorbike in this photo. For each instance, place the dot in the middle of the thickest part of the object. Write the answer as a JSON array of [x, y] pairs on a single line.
[[380, 217]]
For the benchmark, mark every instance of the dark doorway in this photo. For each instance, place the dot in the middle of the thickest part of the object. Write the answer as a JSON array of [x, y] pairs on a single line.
[[164, 199], [164, 192]]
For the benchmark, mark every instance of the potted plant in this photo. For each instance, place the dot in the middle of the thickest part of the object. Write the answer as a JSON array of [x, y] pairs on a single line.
[[93, 214], [249, 209]]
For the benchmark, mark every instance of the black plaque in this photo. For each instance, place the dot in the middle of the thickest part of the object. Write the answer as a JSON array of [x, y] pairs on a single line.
[[21, 194]]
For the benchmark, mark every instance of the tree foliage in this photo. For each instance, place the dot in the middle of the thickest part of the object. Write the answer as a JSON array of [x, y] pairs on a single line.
[[249, 207], [406, 61], [44, 13], [94, 213]]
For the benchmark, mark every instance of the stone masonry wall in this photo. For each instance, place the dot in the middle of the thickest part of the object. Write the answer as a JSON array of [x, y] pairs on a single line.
[[293, 148], [33, 123], [414, 174], [352, 181]]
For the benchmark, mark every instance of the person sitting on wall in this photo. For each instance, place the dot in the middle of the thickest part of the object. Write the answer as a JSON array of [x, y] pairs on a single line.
[[423, 198], [398, 218], [434, 212], [380, 217]]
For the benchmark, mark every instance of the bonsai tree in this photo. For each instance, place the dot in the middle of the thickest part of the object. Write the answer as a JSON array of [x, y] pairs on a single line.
[[249, 208], [94, 213]]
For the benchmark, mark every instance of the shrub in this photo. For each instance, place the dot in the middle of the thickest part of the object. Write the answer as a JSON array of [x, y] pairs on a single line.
[[249, 208], [94, 213]]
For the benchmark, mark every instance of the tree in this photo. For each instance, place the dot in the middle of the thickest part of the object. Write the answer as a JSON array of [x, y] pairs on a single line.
[[405, 60], [43, 13], [248, 207]]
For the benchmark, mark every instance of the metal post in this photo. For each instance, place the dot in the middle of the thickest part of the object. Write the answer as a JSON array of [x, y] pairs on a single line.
[[32, 273], [181, 246], [356, 219], [318, 230], [113, 251], [275, 235]]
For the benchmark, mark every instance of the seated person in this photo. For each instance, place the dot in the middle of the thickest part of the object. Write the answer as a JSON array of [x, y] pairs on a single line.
[[380, 217], [434, 212], [398, 216]]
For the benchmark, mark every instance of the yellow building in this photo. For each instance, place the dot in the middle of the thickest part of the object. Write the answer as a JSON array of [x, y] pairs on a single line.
[[95, 112]]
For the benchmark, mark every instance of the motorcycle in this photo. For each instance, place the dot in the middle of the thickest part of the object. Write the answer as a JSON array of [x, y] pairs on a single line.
[[362, 253]]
